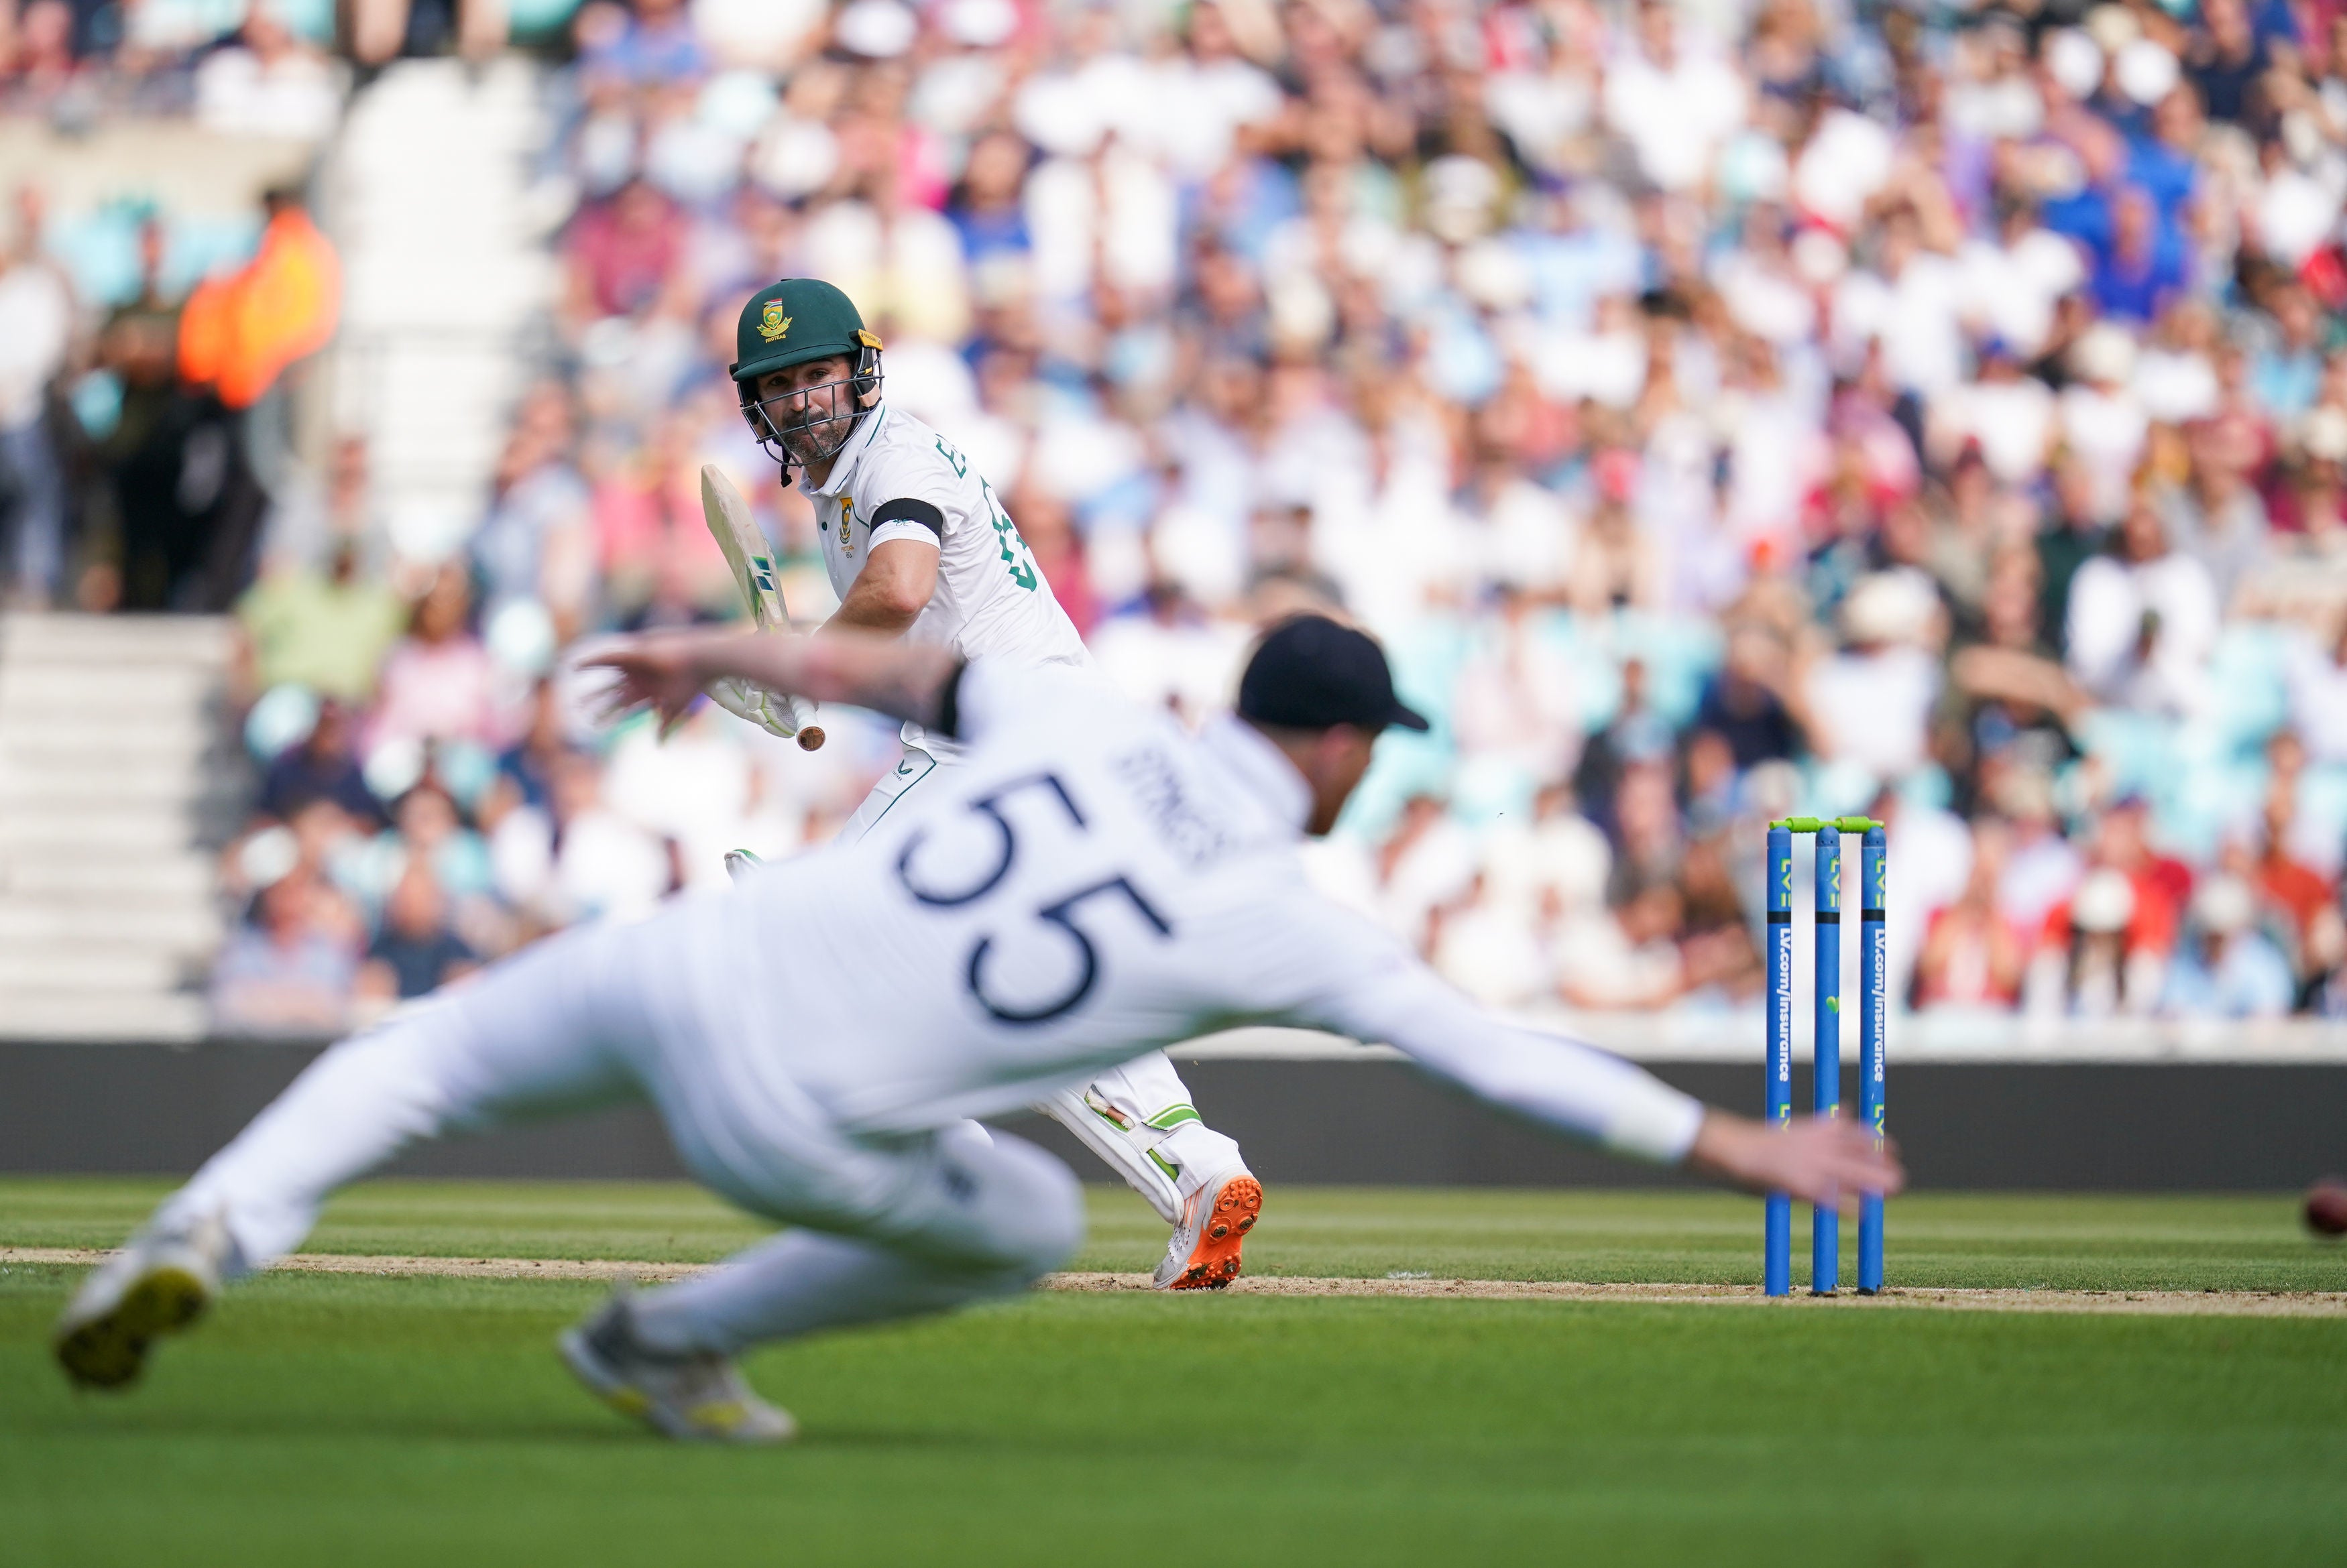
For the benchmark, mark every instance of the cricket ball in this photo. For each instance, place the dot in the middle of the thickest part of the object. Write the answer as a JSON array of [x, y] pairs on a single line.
[[2326, 1207], [811, 738]]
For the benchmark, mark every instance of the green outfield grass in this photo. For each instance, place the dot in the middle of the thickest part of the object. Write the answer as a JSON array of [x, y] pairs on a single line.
[[2091, 1243], [356, 1420]]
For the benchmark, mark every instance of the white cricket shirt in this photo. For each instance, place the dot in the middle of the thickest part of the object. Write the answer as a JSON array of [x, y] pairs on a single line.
[[898, 478], [1090, 882]]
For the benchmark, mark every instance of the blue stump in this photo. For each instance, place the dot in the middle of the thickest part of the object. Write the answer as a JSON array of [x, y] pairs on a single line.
[[1777, 1240], [1873, 972], [1825, 1098]]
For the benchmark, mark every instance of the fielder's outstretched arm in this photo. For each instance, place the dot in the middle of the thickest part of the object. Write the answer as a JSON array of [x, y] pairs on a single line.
[[1579, 1089], [666, 671]]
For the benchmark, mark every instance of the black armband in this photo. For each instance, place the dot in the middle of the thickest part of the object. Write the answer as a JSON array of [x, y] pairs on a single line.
[[911, 511], [950, 702]]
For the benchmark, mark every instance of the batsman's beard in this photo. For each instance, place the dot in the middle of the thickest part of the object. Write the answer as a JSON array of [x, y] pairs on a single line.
[[815, 440], [814, 432]]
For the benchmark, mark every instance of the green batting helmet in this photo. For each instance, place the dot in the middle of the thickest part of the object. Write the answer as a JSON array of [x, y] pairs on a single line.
[[798, 320]]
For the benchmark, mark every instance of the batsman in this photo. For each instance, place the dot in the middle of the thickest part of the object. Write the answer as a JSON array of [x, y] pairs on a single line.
[[918, 545]]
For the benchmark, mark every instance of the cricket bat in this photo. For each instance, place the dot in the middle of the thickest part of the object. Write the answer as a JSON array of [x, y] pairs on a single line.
[[745, 550]]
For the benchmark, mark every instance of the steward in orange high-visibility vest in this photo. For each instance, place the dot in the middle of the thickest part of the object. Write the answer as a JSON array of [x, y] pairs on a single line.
[[239, 330]]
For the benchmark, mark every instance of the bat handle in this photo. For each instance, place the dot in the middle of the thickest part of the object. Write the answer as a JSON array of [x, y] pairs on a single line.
[[801, 713]]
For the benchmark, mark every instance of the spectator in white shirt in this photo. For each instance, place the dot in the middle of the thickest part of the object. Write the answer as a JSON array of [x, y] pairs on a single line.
[[1209, 100], [1846, 160], [2142, 621], [896, 256], [2103, 424], [1493, 950], [2011, 281], [1626, 957], [1870, 703], [1170, 656], [2176, 373], [2009, 415], [1675, 106], [1560, 856], [1913, 303], [580, 859], [1430, 861], [36, 325], [269, 83]]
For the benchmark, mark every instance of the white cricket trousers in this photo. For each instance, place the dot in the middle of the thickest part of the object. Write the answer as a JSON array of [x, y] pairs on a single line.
[[1138, 1118], [605, 1014]]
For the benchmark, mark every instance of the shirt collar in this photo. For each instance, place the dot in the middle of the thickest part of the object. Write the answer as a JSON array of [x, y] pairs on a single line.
[[851, 449], [1269, 778]]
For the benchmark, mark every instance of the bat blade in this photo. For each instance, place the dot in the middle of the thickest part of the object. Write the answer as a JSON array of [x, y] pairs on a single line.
[[753, 564]]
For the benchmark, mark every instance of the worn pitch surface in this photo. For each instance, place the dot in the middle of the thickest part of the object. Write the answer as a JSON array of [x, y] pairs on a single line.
[[371, 1418]]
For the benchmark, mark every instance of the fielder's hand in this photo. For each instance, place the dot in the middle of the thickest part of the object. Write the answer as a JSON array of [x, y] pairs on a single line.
[[1827, 1163], [663, 671]]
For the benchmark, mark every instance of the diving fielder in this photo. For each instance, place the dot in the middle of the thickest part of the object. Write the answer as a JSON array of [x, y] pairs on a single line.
[[918, 545], [1088, 883]]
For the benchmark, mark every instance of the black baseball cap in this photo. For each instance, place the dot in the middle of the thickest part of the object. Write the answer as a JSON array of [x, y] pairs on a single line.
[[1310, 673]]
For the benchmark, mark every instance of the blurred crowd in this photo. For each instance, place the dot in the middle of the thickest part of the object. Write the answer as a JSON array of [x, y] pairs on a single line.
[[146, 414], [259, 67], [145, 421], [1721, 409]]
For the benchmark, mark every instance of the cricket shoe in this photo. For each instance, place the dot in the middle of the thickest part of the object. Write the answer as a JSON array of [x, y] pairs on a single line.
[[1204, 1252], [740, 863], [158, 1284], [696, 1397]]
